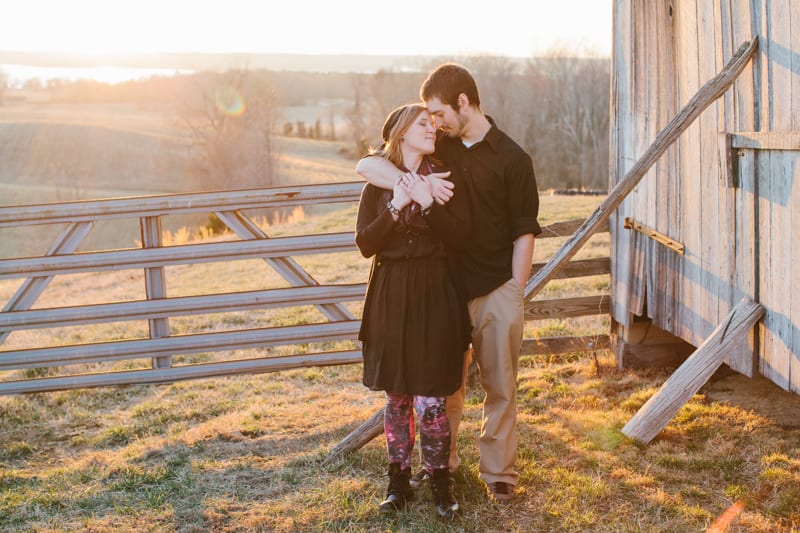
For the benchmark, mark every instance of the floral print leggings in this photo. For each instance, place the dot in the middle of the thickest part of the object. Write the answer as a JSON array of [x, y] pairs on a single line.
[[434, 430]]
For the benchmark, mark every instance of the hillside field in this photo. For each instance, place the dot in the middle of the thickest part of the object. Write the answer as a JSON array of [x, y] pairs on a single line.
[[67, 152], [246, 453]]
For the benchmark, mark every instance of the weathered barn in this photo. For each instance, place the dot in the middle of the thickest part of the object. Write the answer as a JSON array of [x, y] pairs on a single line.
[[717, 217]]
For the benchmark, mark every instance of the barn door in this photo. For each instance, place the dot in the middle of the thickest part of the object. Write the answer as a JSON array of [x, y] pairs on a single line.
[[769, 168]]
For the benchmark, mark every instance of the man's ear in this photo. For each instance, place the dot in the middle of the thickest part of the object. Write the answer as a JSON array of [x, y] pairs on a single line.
[[463, 102]]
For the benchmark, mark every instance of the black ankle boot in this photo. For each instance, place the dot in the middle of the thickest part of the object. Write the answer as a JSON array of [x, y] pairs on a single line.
[[399, 490], [442, 489]]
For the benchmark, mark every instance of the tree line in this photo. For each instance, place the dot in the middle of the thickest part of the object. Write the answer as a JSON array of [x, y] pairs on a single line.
[[556, 106]]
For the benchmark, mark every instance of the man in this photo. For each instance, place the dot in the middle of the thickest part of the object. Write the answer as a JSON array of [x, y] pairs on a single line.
[[501, 186]]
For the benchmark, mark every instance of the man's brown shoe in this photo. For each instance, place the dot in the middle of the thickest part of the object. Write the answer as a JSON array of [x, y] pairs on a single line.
[[501, 492]]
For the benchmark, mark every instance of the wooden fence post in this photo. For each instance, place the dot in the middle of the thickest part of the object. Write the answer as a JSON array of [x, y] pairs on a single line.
[[358, 437]]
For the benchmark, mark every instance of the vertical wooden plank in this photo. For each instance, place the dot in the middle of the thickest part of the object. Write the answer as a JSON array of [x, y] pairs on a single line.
[[743, 358], [727, 194], [726, 200], [794, 25], [657, 196], [689, 275], [636, 137], [780, 64], [744, 216], [155, 284], [722, 13], [764, 251], [745, 26], [794, 169], [641, 139], [778, 346], [710, 231], [648, 207], [671, 190], [620, 69]]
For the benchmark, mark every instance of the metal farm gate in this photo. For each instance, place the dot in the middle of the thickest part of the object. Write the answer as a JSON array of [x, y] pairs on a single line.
[[157, 308]]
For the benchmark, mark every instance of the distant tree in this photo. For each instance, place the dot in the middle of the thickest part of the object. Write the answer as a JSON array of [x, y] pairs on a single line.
[[374, 97], [500, 90], [301, 129], [356, 118], [568, 125], [288, 128], [331, 123], [229, 118]]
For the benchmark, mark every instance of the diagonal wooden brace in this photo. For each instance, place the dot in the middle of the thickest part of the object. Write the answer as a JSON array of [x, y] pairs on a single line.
[[684, 383]]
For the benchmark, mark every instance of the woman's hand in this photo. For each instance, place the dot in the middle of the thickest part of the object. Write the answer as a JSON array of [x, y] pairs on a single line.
[[401, 193], [421, 190]]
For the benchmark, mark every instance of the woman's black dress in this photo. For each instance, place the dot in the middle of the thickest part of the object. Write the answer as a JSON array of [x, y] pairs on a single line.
[[415, 326]]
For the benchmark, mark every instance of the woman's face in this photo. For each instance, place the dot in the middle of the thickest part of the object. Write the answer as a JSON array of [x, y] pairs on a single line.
[[421, 135]]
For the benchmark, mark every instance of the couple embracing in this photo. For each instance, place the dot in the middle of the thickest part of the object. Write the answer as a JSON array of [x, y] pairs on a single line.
[[449, 215]]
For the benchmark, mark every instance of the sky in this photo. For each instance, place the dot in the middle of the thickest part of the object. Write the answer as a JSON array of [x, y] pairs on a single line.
[[519, 28]]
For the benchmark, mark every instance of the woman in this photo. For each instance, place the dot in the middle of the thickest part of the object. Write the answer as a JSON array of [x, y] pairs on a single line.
[[415, 325]]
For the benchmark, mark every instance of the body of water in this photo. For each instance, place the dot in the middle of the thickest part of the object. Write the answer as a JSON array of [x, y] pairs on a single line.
[[18, 75]]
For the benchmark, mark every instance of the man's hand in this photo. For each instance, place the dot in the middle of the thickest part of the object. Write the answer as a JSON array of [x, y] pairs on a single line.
[[419, 187], [441, 189]]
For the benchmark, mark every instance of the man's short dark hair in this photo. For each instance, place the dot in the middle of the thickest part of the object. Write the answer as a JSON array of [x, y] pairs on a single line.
[[447, 82]]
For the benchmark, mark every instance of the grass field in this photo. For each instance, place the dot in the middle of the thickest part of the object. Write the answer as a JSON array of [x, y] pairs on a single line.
[[246, 453], [64, 152]]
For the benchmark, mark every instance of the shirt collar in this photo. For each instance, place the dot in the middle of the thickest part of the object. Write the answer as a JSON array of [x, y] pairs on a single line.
[[492, 136]]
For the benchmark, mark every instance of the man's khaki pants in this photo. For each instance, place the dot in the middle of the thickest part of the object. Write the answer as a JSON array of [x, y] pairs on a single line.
[[497, 322]]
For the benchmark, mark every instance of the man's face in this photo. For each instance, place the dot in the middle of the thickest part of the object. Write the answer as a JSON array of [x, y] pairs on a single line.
[[447, 119]]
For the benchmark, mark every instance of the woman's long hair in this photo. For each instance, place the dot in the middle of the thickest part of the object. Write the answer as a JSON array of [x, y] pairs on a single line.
[[395, 126]]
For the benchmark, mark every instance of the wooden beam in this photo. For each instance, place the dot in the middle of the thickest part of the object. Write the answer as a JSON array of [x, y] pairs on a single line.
[[693, 373], [567, 228], [358, 437], [707, 94], [568, 307], [576, 269], [549, 345], [766, 140]]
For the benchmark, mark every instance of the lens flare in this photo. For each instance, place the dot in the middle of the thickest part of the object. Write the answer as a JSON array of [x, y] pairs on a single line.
[[721, 524], [229, 101]]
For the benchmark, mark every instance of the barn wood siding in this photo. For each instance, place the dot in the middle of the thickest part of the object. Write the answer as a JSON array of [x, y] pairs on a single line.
[[742, 240]]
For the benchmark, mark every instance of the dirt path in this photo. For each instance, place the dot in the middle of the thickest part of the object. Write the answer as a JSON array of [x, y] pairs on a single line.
[[759, 395]]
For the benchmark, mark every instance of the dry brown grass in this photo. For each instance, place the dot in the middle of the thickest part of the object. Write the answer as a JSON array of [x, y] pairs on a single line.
[[245, 453]]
